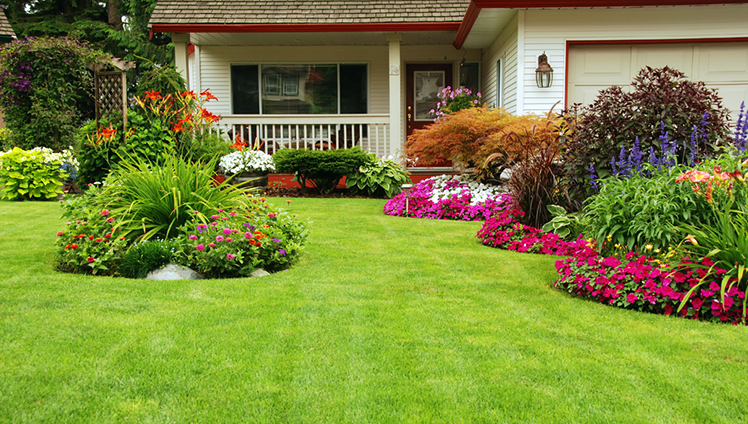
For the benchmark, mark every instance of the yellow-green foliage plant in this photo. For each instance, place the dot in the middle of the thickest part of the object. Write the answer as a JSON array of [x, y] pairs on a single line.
[[32, 174]]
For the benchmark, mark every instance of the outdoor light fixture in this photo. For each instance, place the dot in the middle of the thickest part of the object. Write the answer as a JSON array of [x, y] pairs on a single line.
[[544, 73]]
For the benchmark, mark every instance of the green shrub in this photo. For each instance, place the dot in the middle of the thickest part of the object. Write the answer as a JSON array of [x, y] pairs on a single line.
[[32, 174], [236, 242], [156, 199], [378, 177], [142, 258], [166, 80], [616, 119], [45, 91], [203, 147], [322, 168]]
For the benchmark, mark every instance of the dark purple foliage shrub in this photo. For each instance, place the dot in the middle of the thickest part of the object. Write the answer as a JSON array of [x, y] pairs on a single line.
[[661, 103]]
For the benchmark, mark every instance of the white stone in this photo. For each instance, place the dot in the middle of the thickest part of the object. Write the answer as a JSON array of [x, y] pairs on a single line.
[[259, 273], [173, 272]]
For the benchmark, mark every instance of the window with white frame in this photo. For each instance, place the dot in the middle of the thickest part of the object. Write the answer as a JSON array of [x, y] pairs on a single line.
[[300, 88]]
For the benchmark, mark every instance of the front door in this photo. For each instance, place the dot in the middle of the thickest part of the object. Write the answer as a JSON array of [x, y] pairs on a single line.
[[423, 83]]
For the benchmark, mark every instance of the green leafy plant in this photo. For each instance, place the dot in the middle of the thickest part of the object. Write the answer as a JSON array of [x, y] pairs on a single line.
[[31, 174], [616, 119], [142, 258], [154, 199], [323, 169], [638, 211], [46, 89], [566, 225], [378, 177]]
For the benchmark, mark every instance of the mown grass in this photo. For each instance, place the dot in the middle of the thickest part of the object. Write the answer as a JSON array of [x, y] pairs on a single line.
[[383, 320]]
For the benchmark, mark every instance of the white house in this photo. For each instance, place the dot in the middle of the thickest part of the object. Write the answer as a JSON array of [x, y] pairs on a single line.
[[304, 73]]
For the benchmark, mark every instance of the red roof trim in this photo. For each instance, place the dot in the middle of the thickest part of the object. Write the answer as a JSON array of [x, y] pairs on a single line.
[[339, 27], [524, 4], [467, 24]]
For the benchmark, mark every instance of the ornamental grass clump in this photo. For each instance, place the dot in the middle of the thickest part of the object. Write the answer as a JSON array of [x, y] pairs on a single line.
[[156, 199], [449, 197], [235, 242]]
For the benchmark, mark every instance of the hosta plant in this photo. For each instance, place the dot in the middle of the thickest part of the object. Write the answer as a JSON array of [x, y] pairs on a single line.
[[34, 174], [378, 177]]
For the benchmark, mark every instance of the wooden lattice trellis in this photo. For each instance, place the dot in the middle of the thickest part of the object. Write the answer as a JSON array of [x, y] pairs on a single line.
[[111, 95]]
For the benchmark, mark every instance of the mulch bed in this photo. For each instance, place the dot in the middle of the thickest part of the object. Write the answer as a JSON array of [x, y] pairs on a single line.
[[298, 192]]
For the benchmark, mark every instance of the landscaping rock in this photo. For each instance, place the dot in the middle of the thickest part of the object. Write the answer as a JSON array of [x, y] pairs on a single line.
[[259, 273], [173, 272]]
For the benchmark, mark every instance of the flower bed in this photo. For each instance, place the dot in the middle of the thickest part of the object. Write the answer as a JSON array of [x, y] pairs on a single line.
[[643, 283], [504, 231], [447, 197], [638, 282]]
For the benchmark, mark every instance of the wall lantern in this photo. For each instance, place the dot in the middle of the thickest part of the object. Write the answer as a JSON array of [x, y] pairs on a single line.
[[544, 73]]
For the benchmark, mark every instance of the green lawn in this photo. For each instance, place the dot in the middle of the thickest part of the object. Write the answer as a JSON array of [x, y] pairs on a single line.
[[383, 320]]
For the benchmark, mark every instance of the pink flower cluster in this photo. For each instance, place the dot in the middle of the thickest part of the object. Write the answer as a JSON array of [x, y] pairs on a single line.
[[504, 231], [644, 284], [459, 206]]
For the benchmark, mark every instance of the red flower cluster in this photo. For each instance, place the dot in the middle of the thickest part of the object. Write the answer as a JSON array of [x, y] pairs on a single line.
[[645, 284], [504, 231]]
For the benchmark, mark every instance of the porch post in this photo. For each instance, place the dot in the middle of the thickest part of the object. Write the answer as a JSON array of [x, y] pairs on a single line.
[[181, 59], [396, 106]]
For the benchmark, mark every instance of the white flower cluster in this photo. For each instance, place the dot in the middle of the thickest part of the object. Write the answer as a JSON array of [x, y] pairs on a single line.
[[247, 161], [480, 192]]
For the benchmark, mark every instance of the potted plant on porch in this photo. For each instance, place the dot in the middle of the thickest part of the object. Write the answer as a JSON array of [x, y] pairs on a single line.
[[247, 167]]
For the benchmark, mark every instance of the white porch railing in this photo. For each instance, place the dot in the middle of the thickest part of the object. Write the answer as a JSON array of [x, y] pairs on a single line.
[[315, 132]]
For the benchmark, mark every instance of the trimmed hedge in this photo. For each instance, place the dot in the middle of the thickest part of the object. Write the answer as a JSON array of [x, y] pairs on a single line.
[[323, 169]]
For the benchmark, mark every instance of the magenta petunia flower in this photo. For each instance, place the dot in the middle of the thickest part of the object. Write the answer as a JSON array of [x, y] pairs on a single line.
[[212, 245], [105, 212], [200, 247], [631, 298], [221, 210], [59, 234], [230, 256], [232, 213], [214, 217], [248, 235], [219, 238], [193, 237], [227, 231]]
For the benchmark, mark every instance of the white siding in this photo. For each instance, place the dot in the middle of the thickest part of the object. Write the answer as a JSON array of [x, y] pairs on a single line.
[[505, 48], [549, 30], [215, 64]]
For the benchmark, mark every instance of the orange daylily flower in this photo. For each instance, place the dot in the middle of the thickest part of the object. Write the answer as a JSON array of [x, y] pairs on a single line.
[[153, 95], [208, 96]]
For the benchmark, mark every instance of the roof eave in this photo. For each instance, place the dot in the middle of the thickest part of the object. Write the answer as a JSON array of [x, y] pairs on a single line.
[[332, 27], [473, 11]]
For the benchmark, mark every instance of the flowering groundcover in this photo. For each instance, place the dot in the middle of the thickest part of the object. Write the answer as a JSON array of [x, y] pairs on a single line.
[[448, 197], [638, 282]]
